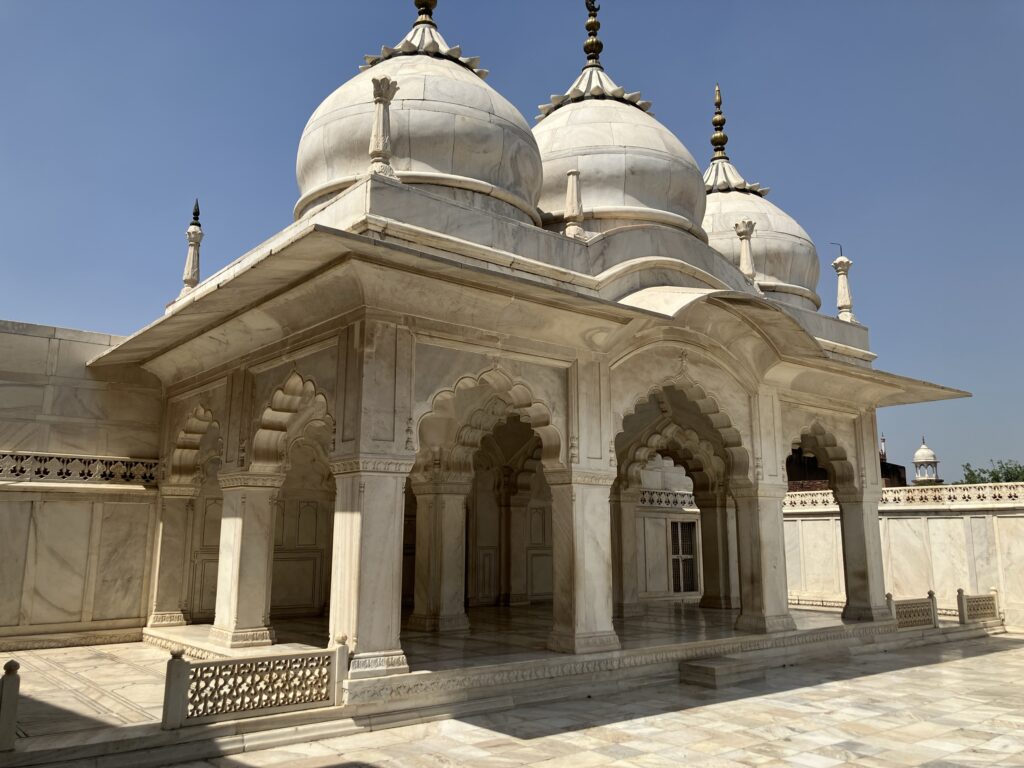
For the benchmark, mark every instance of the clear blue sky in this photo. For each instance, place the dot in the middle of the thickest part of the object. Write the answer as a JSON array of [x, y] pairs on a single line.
[[892, 127]]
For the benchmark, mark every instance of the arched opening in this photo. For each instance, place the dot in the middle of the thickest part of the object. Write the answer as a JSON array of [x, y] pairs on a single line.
[[479, 509], [674, 531]]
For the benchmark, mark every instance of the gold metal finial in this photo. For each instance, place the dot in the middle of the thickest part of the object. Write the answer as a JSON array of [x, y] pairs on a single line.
[[718, 138], [593, 46], [425, 8]]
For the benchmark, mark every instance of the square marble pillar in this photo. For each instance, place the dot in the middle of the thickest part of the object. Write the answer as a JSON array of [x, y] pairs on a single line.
[[176, 504], [440, 588], [764, 597], [626, 591], [717, 554], [245, 565], [862, 556], [366, 569], [581, 539]]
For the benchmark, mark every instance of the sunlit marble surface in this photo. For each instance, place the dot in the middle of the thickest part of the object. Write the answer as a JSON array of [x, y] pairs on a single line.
[[941, 705]]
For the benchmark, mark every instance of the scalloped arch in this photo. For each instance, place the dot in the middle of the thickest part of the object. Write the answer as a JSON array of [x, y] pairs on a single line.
[[452, 431], [185, 456], [830, 455], [296, 411]]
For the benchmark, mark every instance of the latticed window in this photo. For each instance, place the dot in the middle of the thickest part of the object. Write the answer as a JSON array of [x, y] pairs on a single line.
[[684, 550]]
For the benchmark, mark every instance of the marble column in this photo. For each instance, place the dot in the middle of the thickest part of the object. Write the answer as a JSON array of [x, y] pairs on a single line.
[[581, 539], [246, 559], [862, 556], [440, 591], [518, 544], [626, 592], [716, 553], [176, 504], [366, 569], [764, 597]]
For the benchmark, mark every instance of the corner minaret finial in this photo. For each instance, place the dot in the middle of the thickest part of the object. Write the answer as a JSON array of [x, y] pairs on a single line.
[[593, 46], [718, 138], [194, 236], [425, 8]]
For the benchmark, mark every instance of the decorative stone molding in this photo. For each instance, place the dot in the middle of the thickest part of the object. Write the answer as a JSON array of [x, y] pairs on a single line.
[[579, 477], [374, 464], [242, 638], [167, 619], [250, 480], [377, 664], [666, 499], [52, 467], [179, 491]]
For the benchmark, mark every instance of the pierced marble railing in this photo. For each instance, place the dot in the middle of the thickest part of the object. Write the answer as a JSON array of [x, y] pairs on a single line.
[[229, 689], [650, 497], [914, 613], [52, 467], [981, 494], [973, 608]]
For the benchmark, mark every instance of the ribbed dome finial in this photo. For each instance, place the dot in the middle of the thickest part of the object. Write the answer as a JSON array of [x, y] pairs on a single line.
[[195, 213], [718, 138], [593, 46], [425, 8]]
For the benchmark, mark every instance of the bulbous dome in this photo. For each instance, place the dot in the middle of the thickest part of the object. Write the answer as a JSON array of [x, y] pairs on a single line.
[[449, 130], [785, 259], [924, 454], [631, 166]]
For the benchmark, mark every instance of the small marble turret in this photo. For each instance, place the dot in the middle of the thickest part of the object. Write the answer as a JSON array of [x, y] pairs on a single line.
[[384, 90], [744, 231], [844, 300], [574, 206], [194, 236]]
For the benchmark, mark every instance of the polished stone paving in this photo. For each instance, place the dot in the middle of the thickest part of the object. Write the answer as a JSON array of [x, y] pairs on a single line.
[[941, 705]]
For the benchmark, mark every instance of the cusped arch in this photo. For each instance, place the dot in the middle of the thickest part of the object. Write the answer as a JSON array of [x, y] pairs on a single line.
[[831, 456], [459, 418], [702, 465], [707, 409], [187, 455], [296, 411]]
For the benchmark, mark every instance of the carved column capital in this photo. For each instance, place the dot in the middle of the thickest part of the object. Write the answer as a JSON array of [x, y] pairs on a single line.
[[250, 480], [378, 465]]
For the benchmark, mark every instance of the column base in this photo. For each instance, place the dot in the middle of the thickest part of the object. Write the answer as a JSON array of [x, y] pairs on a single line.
[[719, 602], [594, 642], [456, 623], [866, 613], [763, 625], [377, 664], [242, 638], [627, 610], [166, 619], [518, 599]]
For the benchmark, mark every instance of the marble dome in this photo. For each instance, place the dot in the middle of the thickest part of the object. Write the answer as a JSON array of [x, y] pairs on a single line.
[[632, 168], [449, 130], [785, 259]]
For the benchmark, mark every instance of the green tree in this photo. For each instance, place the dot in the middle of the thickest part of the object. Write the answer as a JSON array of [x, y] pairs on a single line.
[[1002, 471]]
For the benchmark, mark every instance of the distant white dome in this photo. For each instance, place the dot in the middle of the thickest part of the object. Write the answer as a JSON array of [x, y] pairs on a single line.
[[785, 260], [449, 130], [924, 454]]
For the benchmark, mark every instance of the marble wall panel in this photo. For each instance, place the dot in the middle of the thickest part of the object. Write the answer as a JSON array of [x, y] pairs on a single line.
[[15, 517], [1011, 552], [656, 560], [794, 572], [295, 582], [59, 553], [911, 568], [72, 356], [76, 438], [23, 435], [540, 575], [986, 558], [23, 353], [949, 558], [20, 401], [820, 552], [122, 565]]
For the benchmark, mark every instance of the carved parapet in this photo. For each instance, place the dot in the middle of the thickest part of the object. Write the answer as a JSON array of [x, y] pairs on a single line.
[[61, 468]]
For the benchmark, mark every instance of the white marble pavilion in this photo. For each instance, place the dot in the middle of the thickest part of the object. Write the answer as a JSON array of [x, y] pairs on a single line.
[[557, 370]]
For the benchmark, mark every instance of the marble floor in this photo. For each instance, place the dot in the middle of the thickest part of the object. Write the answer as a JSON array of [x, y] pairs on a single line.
[[941, 705], [84, 688]]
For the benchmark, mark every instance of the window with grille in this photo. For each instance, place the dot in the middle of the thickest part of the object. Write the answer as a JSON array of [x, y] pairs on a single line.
[[684, 550]]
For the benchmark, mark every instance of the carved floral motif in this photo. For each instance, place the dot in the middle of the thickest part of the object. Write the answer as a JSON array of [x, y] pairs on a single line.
[[48, 467]]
